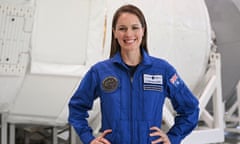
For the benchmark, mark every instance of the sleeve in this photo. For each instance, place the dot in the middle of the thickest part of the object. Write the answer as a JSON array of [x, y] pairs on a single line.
[[79, 105], [185, 104]]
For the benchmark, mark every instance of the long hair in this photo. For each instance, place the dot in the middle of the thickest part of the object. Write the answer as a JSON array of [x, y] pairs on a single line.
[[115, 47]]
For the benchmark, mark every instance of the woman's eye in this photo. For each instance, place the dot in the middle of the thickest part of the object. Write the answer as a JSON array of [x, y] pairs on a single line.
[[122, 29], [135, 28]]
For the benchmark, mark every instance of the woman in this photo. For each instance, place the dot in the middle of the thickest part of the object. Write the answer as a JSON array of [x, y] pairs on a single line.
[[132, 86]]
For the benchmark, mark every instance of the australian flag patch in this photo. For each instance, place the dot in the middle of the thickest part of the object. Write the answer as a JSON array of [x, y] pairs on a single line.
[[175, 80]]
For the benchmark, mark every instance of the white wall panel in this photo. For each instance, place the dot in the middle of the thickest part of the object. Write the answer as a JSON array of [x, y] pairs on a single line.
[[61, 31]]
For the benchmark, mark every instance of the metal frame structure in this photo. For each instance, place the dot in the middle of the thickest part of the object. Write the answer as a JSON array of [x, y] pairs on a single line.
[[232, 115], [212, 129], [8, 131], [4, 127]]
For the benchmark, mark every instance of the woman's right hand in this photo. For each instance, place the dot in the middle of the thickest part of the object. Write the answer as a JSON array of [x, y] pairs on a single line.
[[162, 136], [100, 139]]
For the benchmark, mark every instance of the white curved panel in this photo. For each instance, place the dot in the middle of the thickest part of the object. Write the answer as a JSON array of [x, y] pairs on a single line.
[[177, 31], [71, 33], [15, 33], [181, 34], [42, 98], [9, 87], [60, 33]]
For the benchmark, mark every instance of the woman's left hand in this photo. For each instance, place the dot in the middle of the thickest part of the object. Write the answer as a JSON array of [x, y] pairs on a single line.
[[162, 136]]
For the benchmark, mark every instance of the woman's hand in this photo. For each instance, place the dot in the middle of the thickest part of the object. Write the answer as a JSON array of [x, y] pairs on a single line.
[[158, 132], [100, 139]]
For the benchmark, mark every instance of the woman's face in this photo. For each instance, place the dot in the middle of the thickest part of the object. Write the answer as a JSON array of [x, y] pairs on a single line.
[[128, 32]]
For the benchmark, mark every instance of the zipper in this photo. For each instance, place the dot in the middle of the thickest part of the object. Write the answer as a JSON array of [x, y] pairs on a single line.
[[131, 79], [131, 108]]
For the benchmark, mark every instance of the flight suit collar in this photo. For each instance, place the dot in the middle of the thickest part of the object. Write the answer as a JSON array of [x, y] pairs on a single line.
[[145, 61]]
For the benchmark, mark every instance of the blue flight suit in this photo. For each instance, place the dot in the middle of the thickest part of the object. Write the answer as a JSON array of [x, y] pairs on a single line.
[[130, 105]]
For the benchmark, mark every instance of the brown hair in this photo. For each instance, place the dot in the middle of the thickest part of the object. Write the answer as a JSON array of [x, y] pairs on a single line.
[[115, 47]]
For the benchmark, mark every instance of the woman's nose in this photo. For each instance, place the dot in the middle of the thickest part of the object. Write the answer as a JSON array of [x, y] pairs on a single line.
[[128, 32]]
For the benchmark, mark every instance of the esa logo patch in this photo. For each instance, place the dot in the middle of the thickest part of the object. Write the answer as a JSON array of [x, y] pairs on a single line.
[[110, 83]]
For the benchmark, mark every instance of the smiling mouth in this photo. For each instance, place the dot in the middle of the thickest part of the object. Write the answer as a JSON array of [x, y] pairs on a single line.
[[129, 41]]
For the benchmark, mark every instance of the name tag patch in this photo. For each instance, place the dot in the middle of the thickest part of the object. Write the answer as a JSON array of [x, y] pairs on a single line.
[[152, 79], [152, 82]]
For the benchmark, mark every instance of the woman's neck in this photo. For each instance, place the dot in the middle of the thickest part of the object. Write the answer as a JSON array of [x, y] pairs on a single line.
[[131, 58]]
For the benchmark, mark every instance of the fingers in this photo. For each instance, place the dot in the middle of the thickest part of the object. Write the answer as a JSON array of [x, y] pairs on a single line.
[[101, 139], [105, 133], [157, 132], [162, 136]]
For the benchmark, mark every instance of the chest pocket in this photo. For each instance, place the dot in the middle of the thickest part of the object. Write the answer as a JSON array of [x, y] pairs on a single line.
[[110, 97], [153, 96]]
